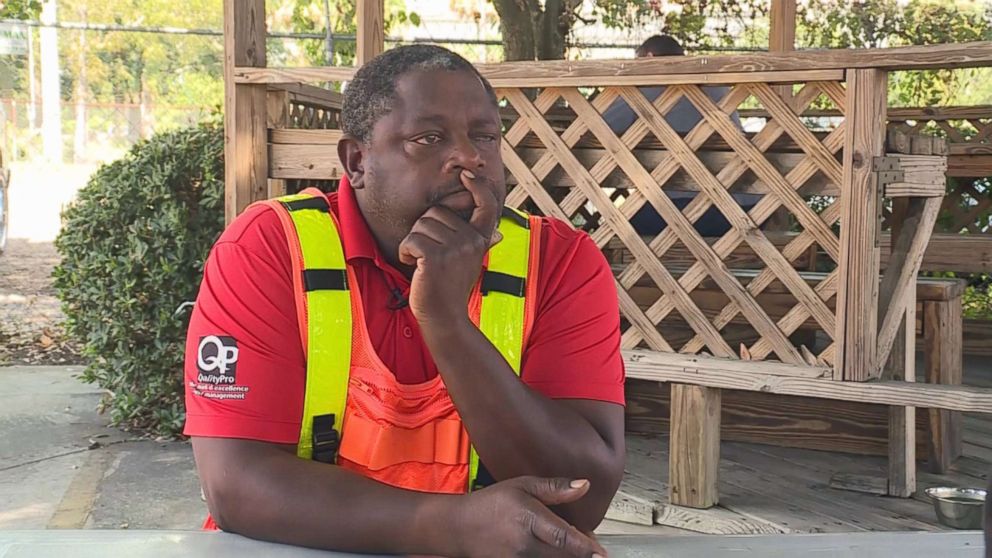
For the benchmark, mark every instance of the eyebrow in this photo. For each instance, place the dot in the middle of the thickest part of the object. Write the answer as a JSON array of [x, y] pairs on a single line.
[[440, 119]]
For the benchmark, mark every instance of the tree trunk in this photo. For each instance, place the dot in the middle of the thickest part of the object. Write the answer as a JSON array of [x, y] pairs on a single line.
[[516, 25]]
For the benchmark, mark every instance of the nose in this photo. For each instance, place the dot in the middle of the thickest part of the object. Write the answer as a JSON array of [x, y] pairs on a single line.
[[464, 155]]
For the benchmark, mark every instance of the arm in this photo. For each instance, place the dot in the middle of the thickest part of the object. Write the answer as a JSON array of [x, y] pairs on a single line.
[[260, 489], [264, 491], [516, 430]]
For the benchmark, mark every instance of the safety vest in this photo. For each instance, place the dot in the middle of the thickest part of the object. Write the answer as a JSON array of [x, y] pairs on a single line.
[[332, 330]]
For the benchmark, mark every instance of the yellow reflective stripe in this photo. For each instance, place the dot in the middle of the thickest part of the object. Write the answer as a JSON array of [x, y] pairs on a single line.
[[328, 324], [501, 318]]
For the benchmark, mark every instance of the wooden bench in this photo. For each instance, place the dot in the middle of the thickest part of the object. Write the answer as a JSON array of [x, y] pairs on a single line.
[[818, 424]]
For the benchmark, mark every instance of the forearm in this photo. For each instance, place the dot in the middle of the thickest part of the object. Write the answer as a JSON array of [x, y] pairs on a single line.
[[278, 497], [518, 431]]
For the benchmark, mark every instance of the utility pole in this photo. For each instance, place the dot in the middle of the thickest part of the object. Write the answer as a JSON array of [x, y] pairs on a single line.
[[51, 108]]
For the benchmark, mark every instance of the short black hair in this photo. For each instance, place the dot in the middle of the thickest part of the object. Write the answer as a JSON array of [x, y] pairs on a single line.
[[660, 45], [371, 93]]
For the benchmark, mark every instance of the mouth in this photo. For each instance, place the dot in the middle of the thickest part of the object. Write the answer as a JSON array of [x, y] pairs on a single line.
[[458, 201]]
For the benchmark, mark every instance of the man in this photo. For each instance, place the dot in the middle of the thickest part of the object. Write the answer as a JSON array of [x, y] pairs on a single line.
[[417, 216], [683, 117]]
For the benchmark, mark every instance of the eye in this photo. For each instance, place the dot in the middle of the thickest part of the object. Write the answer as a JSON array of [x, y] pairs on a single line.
[[487, 138], [428, 139]]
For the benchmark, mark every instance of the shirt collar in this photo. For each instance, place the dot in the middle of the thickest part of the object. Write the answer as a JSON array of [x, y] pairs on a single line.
[[355, 233]]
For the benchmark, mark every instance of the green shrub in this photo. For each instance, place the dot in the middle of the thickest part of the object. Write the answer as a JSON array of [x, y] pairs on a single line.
[[132, 247]]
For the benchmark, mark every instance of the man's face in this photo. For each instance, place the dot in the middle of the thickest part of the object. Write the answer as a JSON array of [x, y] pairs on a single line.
[[442, 123]]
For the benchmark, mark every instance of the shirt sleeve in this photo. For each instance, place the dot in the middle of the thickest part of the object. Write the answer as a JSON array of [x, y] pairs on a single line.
[[573, 351], [245, 371]]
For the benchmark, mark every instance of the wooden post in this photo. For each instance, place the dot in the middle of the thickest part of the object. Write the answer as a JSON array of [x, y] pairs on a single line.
[[694, 452], [277, 117], [902, 420], [245, 151], [371, 30], [782, 26], [942, 338], [857, 299]]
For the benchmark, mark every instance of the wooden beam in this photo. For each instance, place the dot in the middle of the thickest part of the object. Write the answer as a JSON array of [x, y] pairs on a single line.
[[694, 454], [942, 348], [897, 292], [245, 122], [897, 114], [961, 55], [714, 372], [370, 40], [292, 75], [548, 79], [857, 305]]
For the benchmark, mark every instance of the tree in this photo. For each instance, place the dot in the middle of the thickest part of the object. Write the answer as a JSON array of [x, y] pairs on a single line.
[[535, 30], [20, 9], [890, 23]]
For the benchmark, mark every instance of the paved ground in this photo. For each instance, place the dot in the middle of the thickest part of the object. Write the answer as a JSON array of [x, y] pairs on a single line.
[[49, 478]]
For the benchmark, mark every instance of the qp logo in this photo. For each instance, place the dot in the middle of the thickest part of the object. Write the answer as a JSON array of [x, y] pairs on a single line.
[[217, 359]]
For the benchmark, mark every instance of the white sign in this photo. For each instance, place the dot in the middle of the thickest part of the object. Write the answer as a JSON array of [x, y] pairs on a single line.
[[13, 39]]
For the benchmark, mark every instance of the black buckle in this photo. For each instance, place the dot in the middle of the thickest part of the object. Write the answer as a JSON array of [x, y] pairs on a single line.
[[504, 283], [325, 439]]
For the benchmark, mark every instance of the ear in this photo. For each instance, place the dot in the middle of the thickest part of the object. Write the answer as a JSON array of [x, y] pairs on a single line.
[[351, 152]]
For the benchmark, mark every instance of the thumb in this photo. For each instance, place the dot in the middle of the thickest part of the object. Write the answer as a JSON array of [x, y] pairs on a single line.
[[555, 491]]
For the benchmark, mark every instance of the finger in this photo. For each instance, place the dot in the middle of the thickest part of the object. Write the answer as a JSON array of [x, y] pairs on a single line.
[[447, 217], [555, 532], [415, 247], [485, 216], [555, 491], [434, 229]]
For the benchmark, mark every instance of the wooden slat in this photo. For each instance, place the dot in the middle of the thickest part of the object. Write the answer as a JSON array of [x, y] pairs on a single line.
[[859, 259], [913, 190], [713, 372], [371, 34], [694, 453], [245, 122], [969, 165], [620, 224], [310, 94], [319, 74], [303, 138]]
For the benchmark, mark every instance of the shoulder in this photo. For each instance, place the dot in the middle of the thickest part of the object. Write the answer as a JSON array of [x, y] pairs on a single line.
[[569, 261]]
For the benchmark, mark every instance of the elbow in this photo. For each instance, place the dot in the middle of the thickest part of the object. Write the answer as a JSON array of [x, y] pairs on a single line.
[[223, 505], [605, 474]]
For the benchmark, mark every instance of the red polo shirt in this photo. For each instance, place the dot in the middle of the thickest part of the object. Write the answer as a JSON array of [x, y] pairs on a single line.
[[245, 368]]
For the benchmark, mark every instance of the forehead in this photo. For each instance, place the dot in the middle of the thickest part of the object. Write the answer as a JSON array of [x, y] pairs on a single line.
[[455, 94]]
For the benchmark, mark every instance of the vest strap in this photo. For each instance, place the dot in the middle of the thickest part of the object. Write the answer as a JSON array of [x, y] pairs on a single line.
[[504, 283], [315, 202], [325, 280], [325, 439], [518, 217]]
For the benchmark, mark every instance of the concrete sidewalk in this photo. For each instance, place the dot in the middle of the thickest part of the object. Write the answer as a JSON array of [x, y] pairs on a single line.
[[61, 466]]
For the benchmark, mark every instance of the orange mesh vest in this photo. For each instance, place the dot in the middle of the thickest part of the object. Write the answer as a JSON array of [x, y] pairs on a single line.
[[355, 412]]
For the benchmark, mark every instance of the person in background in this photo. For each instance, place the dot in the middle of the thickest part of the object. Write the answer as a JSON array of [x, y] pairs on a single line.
[[683, 117]]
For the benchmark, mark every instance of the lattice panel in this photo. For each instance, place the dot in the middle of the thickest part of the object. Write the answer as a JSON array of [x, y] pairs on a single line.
[[565, 161]]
